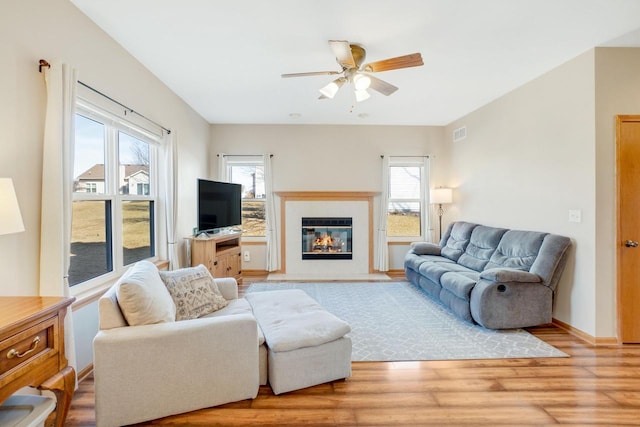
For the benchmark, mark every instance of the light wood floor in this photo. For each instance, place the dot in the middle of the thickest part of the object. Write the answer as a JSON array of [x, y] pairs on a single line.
[[595, 386]]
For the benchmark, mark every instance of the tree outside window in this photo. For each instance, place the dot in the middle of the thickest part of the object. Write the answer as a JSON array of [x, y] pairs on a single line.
[[251, 176]]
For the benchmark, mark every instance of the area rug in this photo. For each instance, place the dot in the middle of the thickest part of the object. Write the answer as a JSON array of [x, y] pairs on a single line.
[[397, 321]]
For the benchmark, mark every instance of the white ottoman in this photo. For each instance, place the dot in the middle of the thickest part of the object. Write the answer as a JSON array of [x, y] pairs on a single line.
[[306, 343]]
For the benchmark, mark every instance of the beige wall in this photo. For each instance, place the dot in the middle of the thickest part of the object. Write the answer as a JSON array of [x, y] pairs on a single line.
[[528, 159], [544, 149], [617, 92], [331, 158], [56, 30]]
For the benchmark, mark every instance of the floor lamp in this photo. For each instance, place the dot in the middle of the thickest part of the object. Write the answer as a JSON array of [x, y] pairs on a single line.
[[440, 196]]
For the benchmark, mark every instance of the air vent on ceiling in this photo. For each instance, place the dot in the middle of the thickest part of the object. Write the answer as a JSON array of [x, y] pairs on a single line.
[[459, 134]]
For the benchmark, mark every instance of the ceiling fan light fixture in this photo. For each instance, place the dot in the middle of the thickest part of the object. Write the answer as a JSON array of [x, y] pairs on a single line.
[[332, 88], [361, 81], [350, 57], [362, 95]]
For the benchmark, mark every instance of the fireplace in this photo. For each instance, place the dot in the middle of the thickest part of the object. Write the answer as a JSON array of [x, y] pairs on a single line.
[[327, 238]]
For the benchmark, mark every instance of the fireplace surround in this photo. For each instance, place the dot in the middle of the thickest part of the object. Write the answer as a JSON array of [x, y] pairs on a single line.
[[295, 205]]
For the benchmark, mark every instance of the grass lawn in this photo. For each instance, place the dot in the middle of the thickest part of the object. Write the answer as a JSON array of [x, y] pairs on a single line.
[[403, 224], [89, 223], [90, 253]]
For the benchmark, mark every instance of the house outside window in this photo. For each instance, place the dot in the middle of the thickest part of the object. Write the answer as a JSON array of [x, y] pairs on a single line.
[[249, 172], [407, 209], [114, 198], [142, 189]]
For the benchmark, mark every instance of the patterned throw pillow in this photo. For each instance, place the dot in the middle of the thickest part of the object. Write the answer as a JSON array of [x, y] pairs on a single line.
[[193, 291]]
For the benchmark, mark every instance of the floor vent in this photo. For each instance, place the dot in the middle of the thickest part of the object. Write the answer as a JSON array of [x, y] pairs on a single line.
[[459, 134]]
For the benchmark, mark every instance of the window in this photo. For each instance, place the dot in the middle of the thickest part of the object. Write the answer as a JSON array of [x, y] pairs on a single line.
[[114, 201], [249, 171], [406, 216]]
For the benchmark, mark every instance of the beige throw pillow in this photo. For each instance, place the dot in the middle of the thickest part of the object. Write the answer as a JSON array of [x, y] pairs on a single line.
[[142, 297], [194, 292]]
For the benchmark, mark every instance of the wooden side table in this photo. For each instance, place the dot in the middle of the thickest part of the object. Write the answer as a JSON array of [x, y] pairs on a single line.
[[32, 349]]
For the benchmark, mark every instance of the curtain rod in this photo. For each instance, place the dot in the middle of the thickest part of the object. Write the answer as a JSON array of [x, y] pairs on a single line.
[[44, 63], [382, 156], [240, 155]]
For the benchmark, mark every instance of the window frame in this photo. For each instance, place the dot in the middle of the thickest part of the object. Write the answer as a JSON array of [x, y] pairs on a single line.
[[248, 160], [425, 227], [113, 124]]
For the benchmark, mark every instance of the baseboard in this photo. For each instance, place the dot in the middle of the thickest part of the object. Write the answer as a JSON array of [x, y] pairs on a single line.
[[255, 273], [84, 373], [395, 273], [583, 335]]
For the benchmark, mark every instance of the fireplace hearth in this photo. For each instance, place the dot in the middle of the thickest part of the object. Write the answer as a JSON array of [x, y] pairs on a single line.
[[327, 238]]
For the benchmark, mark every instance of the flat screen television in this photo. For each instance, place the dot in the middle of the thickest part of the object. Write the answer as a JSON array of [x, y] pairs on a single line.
[[219, 205]]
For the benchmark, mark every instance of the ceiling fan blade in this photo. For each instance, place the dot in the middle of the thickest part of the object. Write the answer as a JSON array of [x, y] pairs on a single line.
[[382, 86], [342, 51], [406, 61], [312, 73]]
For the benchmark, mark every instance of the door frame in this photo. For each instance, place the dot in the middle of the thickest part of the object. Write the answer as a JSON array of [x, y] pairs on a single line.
[[619, 238]]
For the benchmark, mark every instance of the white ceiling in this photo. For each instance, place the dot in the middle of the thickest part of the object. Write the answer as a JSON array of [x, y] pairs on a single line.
[[224, 58]]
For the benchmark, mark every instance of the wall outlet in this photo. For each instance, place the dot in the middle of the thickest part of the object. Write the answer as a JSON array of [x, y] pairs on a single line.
[[247, 256], [575, 215]]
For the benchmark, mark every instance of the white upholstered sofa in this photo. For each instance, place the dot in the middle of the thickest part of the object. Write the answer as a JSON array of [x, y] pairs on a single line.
[[150, 371]]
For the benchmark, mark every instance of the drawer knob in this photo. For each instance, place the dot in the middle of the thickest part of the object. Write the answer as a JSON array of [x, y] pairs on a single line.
[[15, 353]]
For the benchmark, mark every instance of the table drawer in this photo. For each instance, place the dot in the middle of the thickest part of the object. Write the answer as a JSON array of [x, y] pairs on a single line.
[[17, 351]]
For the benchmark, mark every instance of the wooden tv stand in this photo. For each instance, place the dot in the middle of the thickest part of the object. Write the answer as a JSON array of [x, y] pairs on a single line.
[[220, 253]]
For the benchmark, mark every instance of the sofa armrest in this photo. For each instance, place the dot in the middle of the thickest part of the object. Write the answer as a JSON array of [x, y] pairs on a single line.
[[228, 287], [509, 275], [150, 371], [510, 305], [425, 248]]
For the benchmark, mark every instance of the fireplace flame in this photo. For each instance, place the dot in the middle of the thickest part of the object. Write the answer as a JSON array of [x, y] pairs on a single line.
[[327, 243], [324, 240]]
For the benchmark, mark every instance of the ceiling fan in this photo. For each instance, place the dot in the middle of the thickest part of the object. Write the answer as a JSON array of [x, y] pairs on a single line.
[[350, 57]]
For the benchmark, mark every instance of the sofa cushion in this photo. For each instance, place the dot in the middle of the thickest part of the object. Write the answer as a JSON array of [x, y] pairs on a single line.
[[425, 248], [482, 244], [194, 292], [434, 270], [414, 261], [459, 283], [456, 239], [517, 249], [551, 259], [142, 297], [291, 319]]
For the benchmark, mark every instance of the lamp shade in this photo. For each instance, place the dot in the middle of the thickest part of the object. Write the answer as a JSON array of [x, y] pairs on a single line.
[[361, 82], [441, 195], [10, 218], [332, 88], [362, 95]]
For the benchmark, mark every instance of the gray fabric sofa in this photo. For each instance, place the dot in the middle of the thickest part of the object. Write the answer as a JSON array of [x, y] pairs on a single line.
[[495, 277]]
